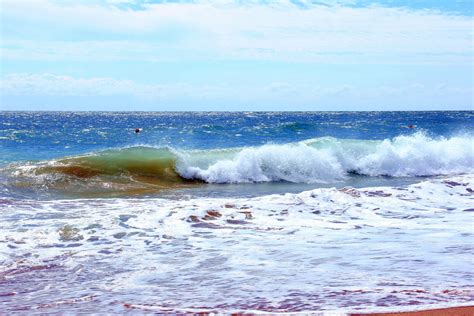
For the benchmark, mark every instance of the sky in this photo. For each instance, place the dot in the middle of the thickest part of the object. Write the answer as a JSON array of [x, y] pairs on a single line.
[[132, 55]]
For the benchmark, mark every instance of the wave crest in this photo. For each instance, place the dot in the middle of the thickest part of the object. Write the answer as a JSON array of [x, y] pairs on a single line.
[[293, 162], [141, 170], [326, 159]]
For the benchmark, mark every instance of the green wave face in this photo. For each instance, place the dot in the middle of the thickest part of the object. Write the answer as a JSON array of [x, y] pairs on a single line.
[[142, 170], [115, 172], [138, 162]]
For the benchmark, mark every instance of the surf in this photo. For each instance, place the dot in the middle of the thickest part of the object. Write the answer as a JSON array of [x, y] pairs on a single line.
[[113, 172], [145, 169], [325, 159]]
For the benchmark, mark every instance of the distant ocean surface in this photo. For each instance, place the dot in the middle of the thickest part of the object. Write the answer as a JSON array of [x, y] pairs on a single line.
[[235, 212]]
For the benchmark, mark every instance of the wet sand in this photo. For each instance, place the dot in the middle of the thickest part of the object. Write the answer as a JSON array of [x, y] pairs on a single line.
[[452, 311]]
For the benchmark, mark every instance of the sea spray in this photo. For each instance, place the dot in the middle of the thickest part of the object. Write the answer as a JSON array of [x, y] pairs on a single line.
[[294, 163], [156, 242], [143, 170], [326, 159]]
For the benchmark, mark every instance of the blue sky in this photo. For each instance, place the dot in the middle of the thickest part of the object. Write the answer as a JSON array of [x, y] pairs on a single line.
[[236, 55]]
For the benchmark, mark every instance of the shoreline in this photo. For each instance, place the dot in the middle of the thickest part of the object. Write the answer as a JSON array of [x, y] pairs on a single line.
[[187, 234], [447, 311], [467, 310]]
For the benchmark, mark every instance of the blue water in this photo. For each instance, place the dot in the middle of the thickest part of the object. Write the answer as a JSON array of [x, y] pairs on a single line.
[[235, 212], [47, 135], [225, 151]]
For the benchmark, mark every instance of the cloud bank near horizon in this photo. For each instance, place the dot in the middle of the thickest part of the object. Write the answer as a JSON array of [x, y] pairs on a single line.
[[208, 52]]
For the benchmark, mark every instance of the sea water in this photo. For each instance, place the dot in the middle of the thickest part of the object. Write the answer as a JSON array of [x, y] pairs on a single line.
[[235, 212]]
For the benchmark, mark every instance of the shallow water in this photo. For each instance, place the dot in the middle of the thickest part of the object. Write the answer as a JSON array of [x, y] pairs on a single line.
[[324, 249], [235, 212]]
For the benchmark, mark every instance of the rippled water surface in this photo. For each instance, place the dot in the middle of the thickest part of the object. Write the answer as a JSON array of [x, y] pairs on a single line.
[[205, 212]]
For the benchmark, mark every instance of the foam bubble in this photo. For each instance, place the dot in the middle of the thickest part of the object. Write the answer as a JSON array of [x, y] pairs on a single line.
[[327, 159], [293, 163], [320, 160]]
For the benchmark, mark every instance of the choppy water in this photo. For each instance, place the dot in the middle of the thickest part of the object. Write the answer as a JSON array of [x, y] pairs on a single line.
[[203, 211]]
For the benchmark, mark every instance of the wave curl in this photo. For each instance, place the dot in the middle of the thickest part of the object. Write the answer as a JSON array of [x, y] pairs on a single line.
[[147, 169]]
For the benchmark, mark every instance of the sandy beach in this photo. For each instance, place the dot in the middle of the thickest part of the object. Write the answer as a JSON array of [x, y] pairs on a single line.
[[451, 311]]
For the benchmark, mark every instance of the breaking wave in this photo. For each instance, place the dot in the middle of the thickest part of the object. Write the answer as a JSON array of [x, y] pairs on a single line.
[[325, 159], [144, 169]]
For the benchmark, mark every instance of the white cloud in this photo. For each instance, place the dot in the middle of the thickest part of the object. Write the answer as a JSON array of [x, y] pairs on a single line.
[[83, 50], [45, 84], [51, 84], [52, 91], [223, 30]]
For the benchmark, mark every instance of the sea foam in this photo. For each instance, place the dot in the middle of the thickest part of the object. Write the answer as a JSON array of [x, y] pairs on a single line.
[[326, 159], [374, 246]]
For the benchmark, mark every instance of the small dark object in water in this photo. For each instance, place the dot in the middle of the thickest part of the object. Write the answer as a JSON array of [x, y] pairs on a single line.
[[137, 130]]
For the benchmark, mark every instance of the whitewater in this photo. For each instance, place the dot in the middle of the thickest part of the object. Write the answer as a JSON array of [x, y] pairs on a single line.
[[377, 248], [235, 212], [320, 160], [326, 159]]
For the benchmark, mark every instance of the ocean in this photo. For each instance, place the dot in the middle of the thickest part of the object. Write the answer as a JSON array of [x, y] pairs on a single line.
[[226, 212]]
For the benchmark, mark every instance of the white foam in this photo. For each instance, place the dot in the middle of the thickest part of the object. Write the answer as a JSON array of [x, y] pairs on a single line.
[[327, 159], [344, 240], [419, 155], [285, 213], [294, 163]]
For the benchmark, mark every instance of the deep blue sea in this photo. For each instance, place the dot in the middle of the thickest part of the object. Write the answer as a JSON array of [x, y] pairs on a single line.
[[235, 211], [30, 136], [64, 150]]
